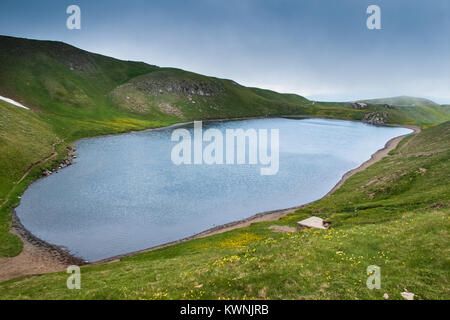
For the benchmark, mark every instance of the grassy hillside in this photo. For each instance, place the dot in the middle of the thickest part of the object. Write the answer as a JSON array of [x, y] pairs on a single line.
[[186, 95], [403, 101], [414, 115], [24, 140], [84, 94], [446, 108], [395, 215]]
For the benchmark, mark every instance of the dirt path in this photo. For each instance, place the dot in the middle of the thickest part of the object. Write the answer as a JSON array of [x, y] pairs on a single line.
[[38, 257], [51, 156]]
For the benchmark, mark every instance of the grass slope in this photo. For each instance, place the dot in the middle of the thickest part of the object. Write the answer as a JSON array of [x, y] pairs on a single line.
[[188, 96], [395, 215], [24, 140], [403, 101]]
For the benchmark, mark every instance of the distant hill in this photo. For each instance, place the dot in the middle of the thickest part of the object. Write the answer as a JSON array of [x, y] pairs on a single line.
[[446, 107], [57, 78], [84, 94], [403, 101], [187, 95]]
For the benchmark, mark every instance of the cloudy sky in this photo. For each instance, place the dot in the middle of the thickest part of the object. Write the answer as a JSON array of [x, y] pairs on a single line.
[[316, 48]]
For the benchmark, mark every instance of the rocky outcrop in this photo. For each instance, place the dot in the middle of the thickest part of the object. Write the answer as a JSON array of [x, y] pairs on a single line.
[[65, 163], [376, 118], [186, 87], [168, 91], [170, 109], [359, 105]]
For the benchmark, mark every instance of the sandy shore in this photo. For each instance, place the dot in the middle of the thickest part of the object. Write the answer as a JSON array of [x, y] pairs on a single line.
[[377, 156], [38, 256]]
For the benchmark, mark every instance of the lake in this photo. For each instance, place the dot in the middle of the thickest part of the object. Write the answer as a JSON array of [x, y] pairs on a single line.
[[123, 193]]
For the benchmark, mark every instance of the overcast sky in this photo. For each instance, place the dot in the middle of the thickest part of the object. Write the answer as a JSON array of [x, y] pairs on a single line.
[[319, 49]]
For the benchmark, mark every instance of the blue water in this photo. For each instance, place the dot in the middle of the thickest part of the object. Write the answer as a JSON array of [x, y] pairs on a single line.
[[123, 192]]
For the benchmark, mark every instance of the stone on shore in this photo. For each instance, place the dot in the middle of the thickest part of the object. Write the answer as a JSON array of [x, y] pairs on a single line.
[[407, 295], [313, 222]]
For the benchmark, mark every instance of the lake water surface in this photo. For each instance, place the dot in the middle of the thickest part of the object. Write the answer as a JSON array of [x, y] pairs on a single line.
[[123, 192]]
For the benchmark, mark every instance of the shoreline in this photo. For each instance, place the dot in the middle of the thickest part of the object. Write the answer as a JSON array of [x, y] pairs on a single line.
[[40, 257]]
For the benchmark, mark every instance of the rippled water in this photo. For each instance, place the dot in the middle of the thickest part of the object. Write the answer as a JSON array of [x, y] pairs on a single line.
[[124, 193]]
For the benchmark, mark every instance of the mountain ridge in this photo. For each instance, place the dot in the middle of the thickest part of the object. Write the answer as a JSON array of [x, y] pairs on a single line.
[[402, 100]]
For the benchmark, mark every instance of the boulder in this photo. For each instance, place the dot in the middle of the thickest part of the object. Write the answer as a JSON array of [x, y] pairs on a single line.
[[376, 118], [359, 105], [313, 222]]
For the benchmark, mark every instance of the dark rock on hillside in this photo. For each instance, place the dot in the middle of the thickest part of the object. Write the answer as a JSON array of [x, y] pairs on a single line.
[[168, 91], [181, 86], [359, 105], [65, 163], [376, 118]]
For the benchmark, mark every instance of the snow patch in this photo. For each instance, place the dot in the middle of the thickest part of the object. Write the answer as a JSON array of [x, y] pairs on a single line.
[[13, 102]]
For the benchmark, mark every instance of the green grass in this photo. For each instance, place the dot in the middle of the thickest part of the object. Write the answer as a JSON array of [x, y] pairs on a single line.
[[394, 215], [403, 101], [24, 139]]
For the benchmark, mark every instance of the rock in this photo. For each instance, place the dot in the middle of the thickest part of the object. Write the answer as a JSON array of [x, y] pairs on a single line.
[[46, 173], [376, 118], [151, 85], [407, 295], [313, 222], [359, 105]]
